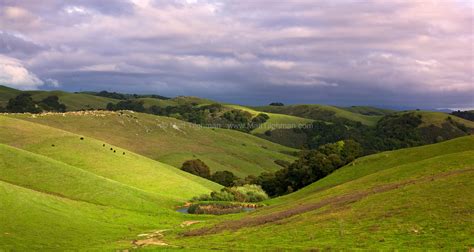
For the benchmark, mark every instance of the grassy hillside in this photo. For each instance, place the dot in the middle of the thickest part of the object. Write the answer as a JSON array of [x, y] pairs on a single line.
[[6, 93], [73, 101], [172, 141], [60, 192], [91, 155], [417, 198], [275, 121], [320, 112], [438, 118], [367, 110]]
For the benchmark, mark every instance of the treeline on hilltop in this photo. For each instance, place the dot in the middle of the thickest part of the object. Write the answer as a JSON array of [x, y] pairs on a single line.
[[24, 103], [122, 96], [212, 114], [468, 114]]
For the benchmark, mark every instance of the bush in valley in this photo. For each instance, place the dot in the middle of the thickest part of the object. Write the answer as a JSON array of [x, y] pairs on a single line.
[[245, 193], [225, 178], [277, 104], [196, 167], [133, 105], [23, 103], [51, 103]]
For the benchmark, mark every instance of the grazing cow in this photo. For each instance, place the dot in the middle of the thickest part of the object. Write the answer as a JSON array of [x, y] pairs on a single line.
[[82, 138]]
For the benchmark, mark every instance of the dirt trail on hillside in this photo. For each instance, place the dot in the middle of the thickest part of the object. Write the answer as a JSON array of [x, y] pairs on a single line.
[[337, 201], [150, 239]]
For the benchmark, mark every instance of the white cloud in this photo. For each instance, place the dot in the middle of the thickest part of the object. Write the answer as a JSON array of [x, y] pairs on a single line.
[[52, 82], [14, 74], [279, 64]]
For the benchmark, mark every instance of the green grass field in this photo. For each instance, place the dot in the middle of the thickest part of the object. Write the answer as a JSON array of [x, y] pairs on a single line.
[[438, 118], [320, 112], [73, 101], [172, 141], [79, 194], [367, 110], [275, 121], [418, 198]]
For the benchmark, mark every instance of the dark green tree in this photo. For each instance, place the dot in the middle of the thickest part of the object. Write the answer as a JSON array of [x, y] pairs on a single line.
[[196, 167], [23, 103], [225, 178]]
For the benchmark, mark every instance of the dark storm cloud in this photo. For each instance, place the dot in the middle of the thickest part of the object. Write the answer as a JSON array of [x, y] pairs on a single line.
[[345, 52]]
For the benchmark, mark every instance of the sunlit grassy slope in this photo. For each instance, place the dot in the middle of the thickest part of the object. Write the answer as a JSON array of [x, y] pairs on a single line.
[[320, 112], [438, 118], [91, 155], [60, 192], [367, 110], [172, 141], [275, 121], [417, 198]]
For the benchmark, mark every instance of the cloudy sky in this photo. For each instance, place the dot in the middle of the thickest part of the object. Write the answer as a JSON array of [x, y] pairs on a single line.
[[413, 53]]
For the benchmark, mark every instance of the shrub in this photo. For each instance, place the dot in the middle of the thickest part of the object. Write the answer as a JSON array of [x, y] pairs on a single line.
[[196, 167], [51, 103], [246, 193], [225, 178]]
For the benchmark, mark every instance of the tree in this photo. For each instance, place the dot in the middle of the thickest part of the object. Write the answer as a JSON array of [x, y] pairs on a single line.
[[51, 103], [277, 104], [196, 167], [23, 103], [225, 178]]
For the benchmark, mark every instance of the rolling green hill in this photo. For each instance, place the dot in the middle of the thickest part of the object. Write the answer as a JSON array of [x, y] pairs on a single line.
[[320, 112], [416, 198], [275, 121], [367, 110], [58, 191], [73, 101], [172, 141]]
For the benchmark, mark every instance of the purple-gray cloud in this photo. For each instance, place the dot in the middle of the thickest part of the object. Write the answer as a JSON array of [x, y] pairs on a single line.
[[396, 53]]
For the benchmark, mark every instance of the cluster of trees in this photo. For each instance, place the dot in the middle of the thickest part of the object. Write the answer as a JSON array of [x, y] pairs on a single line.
[[24, 103], [311, 166], [121, 96], [468, 114], [276, 104], [392, 132], [199, 168]]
